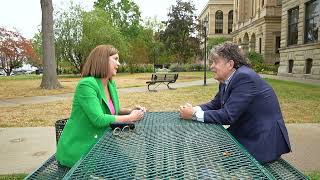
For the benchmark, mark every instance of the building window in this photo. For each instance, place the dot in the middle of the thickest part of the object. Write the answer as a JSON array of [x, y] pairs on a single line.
[[230, 21], [260, 44], [312, 21], [290, 66], [308, 66], [293, 16], [277, 44], [219, 22]]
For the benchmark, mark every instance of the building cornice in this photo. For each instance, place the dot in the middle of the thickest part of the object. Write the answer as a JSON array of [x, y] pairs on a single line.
[[215, 2], [256, 22], [315, 45]]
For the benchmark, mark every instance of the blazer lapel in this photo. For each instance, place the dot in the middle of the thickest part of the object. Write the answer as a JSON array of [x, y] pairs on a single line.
[[226, 92], [114, 95], [101, 89]]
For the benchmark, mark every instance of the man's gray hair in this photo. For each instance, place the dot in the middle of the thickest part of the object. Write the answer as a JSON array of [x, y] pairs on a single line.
[[230, 51]]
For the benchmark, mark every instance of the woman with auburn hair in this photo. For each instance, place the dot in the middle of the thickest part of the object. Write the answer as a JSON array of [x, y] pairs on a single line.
[[95, 106]]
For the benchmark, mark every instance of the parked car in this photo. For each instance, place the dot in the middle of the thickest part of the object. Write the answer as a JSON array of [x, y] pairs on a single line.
[[39, 71]]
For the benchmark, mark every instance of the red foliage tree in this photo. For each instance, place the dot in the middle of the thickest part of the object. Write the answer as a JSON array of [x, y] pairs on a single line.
[[14, 50]]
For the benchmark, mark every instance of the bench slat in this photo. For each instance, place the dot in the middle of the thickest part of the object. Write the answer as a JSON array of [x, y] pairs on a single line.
[[165, 78], [281, 169], [51, 169]]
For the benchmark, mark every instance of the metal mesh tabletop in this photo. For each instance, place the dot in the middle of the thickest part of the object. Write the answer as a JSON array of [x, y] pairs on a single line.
[[165, 147]]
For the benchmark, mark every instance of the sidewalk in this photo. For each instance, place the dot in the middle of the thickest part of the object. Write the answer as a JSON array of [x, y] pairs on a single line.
[[25, 149], [60, 97]]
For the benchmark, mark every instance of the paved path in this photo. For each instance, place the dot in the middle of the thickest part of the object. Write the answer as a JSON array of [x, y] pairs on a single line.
[[59, 97], [24, 149]]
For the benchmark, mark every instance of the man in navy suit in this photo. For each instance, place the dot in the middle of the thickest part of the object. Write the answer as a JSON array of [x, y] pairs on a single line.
[[246, 103]]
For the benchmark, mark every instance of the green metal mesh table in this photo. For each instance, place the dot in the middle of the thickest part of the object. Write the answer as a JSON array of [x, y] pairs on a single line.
[[164, 147]]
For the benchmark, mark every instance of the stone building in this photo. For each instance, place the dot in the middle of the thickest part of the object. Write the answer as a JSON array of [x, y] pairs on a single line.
[[219, 14], [300, 45], [257, 27]]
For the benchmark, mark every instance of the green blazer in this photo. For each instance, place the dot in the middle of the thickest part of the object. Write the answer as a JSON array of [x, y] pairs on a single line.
[[89, 118]]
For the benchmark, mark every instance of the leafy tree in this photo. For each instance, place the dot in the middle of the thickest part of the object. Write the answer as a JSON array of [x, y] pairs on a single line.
[[157, 52], [14, 50], [153, 24], [37, 46], [124, 14], [212, 42], [178, 35], [138, 54], [98, 29], [68, 35], [77, 32], [49, 78]]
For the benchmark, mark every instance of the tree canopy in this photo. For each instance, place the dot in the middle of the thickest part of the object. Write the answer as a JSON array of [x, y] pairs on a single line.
[[77, 32], [179, 36], [14, 50]]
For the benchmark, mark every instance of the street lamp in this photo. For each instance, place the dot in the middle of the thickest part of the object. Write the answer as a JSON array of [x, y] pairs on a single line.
[[154, 60], [205, 26]]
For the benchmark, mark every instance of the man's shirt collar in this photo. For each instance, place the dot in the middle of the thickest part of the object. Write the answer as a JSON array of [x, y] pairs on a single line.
[[226, 82]]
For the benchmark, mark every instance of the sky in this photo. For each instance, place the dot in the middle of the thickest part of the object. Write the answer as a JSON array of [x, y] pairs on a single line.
[[24, 16]]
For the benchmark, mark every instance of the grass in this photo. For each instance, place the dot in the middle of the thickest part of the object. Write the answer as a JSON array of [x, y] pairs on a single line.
[[315, 175], [29, 85], [300, 103], [13, 177], [46, 114]]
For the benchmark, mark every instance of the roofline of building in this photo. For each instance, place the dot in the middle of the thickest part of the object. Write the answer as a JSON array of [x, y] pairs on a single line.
[[214, 3]]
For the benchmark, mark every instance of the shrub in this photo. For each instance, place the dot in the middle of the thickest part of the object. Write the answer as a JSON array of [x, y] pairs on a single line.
[[177, 68], [255, 58], [195, 67], [135, 68]]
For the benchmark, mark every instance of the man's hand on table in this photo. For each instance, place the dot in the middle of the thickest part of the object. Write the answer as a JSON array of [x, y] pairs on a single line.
[[186, 111]]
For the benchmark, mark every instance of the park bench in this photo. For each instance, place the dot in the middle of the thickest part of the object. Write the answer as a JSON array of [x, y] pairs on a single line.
[[51, 169], [281, 169], [162, 78]]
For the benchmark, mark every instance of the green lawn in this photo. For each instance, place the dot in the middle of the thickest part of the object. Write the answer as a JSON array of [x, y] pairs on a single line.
[[315, 175], [13, 177], [29, 85], [299, 102]]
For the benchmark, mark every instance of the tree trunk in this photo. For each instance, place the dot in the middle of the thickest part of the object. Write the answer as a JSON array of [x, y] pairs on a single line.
[[49, 78]]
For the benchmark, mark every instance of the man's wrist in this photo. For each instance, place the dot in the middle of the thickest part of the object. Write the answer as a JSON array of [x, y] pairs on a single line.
[[194, 117], [199, 114]]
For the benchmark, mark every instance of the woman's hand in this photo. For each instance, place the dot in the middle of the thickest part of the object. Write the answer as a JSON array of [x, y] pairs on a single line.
[[136, 115], [138, 107]]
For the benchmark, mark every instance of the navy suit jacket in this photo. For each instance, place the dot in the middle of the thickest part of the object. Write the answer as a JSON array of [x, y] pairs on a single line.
[[251, 108]]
